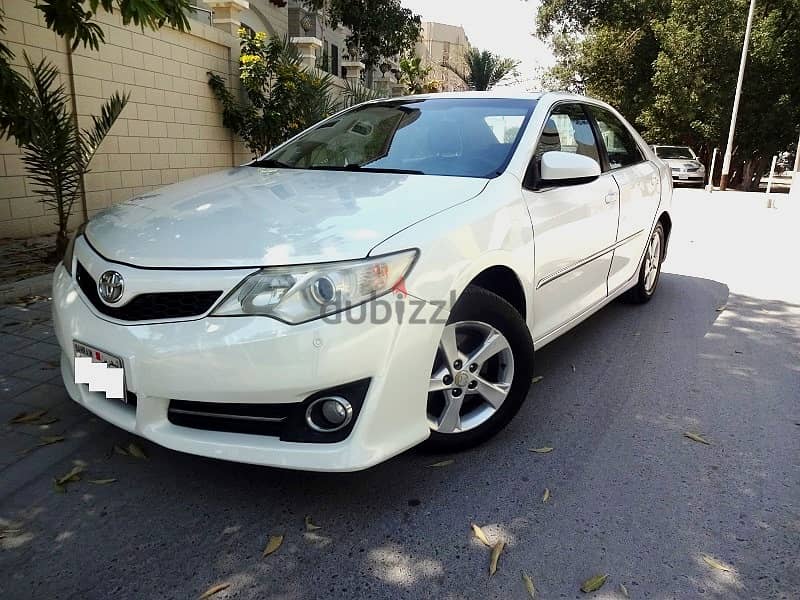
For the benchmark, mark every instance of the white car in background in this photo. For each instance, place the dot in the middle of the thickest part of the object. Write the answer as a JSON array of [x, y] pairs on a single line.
[[380, 280], [683, 163]]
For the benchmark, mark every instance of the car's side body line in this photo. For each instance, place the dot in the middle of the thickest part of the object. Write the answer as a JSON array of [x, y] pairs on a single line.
[[568, 269]]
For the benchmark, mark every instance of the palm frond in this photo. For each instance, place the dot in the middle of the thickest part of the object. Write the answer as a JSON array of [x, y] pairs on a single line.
[[90, 139], [356, 93]]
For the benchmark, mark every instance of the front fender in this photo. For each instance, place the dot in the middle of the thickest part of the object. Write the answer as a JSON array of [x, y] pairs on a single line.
[[456, 245]]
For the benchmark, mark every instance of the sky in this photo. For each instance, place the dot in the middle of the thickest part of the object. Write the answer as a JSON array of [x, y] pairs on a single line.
[[503, 26]]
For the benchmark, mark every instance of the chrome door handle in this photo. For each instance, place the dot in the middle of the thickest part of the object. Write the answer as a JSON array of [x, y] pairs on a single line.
[[611, 197]]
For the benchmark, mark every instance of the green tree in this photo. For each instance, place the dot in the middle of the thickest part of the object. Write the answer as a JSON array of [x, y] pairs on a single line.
[[413, 74], [378, 28], [56, 152], [483, 69], [670, 66], [283, 97]]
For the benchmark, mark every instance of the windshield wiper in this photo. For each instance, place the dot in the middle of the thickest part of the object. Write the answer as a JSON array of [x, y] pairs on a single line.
[[271, 162], [357, 167]]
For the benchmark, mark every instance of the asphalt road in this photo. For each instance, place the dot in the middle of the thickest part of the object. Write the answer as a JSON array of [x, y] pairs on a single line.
[[717, 352]]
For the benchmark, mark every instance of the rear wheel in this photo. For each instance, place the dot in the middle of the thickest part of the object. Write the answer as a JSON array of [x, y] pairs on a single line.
[[650, 271], [482, 371]]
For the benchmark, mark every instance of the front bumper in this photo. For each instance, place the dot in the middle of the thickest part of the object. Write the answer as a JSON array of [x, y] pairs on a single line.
[[257, 360]]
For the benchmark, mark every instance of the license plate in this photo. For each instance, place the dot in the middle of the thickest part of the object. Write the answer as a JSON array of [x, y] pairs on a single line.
[[683, 176], [105, 373]]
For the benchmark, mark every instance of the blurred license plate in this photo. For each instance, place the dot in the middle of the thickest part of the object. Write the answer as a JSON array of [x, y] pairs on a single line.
[[98, 356], [683, 176]]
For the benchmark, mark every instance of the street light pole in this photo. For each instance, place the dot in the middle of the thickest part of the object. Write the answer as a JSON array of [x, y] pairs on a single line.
[[726, 162]]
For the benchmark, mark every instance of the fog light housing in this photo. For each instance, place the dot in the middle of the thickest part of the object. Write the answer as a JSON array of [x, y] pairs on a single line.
[[329, 414]]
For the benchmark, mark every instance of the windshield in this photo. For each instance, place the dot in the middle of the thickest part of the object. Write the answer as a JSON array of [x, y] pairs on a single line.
[[467, 137], [674, 152]]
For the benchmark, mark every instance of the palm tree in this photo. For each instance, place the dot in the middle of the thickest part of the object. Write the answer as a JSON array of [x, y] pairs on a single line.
[[56, 152], [483, 69]]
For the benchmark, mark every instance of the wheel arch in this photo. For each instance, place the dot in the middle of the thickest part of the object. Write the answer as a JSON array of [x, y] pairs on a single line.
[[503, 281], [666, 223]]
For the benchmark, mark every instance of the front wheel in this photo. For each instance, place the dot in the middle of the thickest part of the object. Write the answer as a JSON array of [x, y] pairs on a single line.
[[650, 271], [482, 371]]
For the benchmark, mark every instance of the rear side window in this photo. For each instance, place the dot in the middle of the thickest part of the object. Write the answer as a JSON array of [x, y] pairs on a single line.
[[568, 130], [621, 148]]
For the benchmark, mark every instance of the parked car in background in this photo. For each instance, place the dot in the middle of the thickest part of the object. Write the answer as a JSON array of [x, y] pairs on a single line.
[[684, 164], [380, 280]]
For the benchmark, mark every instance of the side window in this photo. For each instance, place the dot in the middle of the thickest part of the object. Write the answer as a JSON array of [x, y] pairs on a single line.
[[622, 149], [568, 130]]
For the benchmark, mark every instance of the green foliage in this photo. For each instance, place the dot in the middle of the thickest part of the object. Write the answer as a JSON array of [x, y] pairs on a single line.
[[72, 19], [357, 93], [11, 97], [671, 65], [57, 153], [379, 28], [283, 97], [483, 69], [413, 74]]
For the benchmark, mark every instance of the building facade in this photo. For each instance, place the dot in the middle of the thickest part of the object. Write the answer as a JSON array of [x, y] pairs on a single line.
[[443, 44]]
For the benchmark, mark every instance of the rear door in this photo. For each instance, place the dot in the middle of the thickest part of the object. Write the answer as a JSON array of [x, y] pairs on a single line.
[[640, 193], [575, 225]]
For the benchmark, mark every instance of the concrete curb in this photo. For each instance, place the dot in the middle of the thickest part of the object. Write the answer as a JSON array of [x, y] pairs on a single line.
[[40, 285]]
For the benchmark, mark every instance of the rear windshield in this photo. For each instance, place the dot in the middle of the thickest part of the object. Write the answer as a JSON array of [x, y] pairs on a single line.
[[674, 152], [467, 137]]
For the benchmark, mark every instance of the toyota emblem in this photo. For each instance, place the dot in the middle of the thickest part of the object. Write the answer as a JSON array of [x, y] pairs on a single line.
[[110, 286]]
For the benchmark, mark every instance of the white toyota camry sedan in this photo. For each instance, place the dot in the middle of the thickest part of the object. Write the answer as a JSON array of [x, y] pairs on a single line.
[[380, 280]]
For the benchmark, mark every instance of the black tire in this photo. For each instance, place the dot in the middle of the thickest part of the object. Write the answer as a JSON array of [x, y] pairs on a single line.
[[639, 294], [478, 304]]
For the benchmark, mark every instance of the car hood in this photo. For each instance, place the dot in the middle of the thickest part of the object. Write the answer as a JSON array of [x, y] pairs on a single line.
[[679, 162], [250, 216]]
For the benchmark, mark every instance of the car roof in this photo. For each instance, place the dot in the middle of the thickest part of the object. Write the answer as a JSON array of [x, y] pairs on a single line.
[[500, 93]]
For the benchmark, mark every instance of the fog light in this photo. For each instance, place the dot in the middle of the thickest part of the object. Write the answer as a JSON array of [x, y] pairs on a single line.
[[330, 413]]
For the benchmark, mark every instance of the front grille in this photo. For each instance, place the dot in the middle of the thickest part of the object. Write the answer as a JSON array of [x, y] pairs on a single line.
[[148, 307], [258, 419]]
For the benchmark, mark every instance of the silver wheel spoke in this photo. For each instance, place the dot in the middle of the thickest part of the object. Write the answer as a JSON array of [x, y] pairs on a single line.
[[493, 393], [448, 345], [493, 344], [437, 384], [451, 417]]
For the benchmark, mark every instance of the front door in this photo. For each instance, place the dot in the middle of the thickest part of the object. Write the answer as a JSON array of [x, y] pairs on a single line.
[[575, 227]]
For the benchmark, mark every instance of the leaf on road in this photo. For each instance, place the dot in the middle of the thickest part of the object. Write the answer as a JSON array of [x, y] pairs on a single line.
[[214, 590], [442, 463], [696, 438], [120, 450], [593, 583], [273, 544], [48, 421], [58, 487], [529, 585], [46, 440], [73, 475], [573, 368], [721, 308], [623, 590], [478, 533], [537, 379], [310, 526], [136, 451], [27, 417], [715, 564], [543, 450], [546, 495], [496, 550], [102, 481]]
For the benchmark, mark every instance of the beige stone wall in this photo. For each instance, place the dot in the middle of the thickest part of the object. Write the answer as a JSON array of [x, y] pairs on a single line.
[[170, 130]]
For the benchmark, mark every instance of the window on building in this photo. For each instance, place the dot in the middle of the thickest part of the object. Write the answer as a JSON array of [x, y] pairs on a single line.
[[334, 59]]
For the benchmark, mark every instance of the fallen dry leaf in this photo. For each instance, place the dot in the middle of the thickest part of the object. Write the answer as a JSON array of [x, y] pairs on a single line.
[[721, 308], [136, 451], [623, 590], [715, 564], [543, 450], [273, 544], [120, 450], [214, 590], [529, 585], [310, 526], [593, 583], [546, 495], [496, 550], [537, 379], [27, 417], [442, 463], [573, 368], [73, 475], [49, 421], [697, 438], [46, 440], [102, 481], [478, 532]]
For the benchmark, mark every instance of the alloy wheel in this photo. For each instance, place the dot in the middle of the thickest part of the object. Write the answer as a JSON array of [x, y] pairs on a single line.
[[471, 376], [652, 261]]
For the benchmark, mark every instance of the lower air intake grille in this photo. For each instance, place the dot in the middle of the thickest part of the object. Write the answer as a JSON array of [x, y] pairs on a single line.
[[149, 307]]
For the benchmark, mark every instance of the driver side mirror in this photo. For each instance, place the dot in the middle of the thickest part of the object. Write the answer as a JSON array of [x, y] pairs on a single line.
[[567, 168]]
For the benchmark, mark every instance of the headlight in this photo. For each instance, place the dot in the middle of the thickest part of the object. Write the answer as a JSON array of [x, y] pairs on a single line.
[[70, 249], [306, 292]]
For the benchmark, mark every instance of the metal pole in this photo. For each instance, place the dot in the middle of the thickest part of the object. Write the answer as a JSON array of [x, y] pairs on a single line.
[[726, 163], [770, 203], [710, 186]]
